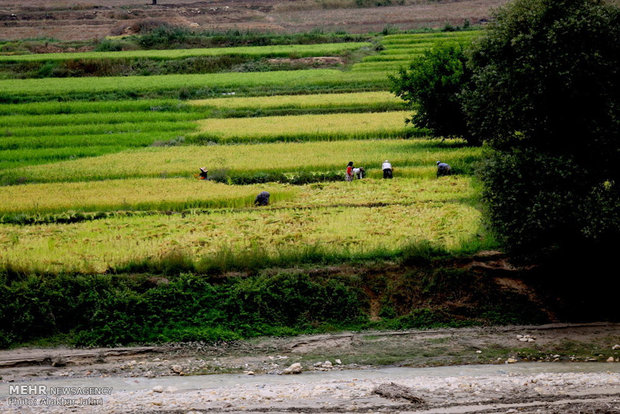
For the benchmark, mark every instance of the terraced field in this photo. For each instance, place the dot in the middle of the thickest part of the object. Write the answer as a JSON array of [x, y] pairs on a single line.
[[324, 49], [100, 173]]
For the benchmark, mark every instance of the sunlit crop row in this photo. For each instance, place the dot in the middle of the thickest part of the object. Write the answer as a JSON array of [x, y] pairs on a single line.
[[329, 126], [132, 194], [97, 245], [186, 193], [309, 156], [323, 100]]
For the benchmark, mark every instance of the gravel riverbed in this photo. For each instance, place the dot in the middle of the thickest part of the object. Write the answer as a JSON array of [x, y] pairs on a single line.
[[523, 387]]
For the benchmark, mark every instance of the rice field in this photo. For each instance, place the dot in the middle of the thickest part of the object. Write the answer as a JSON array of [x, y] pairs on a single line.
[[306, 127], [80, 107], [178, 194], [17, 90], [113, 242], [132, 194], [323, 49], [320, 100], [120, 155], [183, 161]]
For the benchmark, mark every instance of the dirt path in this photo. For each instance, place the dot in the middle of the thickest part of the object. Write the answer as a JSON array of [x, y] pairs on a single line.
[[169, 378]]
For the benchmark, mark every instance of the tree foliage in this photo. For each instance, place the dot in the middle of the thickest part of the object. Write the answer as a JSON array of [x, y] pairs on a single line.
[[432, 86], [545, 97]]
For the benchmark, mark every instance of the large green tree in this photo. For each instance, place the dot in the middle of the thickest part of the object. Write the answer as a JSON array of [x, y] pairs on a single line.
[[432, 86], [545, 96]]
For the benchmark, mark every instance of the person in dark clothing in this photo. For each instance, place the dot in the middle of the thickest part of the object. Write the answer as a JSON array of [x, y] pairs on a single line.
[[262, 199], [443, 169], [203, 173]]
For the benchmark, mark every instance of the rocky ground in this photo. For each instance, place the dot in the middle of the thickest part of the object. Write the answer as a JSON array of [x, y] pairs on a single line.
[[529, 388], [344, 372]]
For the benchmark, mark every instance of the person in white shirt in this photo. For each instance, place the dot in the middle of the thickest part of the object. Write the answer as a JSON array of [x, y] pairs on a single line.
[[387, 169]]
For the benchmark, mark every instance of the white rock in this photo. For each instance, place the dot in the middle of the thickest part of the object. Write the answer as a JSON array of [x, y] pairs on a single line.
[[610, 359], [615, 347], [293, 369], [158, 388], [171, 389], [339, 362], [327, 364], [511, 361], [176, 368], [478, 351]]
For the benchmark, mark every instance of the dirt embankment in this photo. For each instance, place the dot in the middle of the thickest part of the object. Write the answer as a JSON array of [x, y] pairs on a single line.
[[84, 20]]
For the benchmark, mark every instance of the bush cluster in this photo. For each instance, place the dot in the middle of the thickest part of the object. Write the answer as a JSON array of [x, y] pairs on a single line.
[[117, 309]]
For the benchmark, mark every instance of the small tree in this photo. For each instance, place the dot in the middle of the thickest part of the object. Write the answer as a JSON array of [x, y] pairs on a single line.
[[432, 87], [545, 96]]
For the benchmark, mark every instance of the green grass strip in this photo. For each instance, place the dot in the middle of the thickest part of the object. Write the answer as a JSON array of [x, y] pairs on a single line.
[[324, 49], [261, 82]]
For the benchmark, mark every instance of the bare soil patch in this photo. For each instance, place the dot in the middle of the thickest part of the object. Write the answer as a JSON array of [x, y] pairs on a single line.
[[85, 20]]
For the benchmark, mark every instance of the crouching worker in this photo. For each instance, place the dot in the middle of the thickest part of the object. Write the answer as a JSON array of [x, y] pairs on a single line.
[[203, 173], [443, 169], [348, 176], [262, 199], [359, 172], [387, 169]]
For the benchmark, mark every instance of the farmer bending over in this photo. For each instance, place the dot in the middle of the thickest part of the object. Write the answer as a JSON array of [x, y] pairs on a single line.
[[387, 169], [262, 199], [443, 169]]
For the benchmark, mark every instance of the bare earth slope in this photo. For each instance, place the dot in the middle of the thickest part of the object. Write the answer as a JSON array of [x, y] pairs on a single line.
[[86, 19]]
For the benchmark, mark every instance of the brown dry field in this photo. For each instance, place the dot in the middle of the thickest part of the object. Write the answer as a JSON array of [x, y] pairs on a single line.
[[89, 19]]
